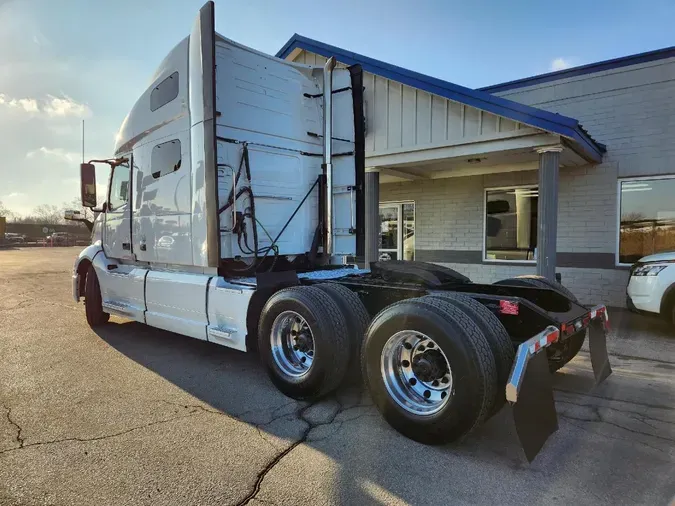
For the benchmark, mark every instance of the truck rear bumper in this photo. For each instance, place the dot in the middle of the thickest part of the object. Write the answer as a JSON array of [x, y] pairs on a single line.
[[546, 338]]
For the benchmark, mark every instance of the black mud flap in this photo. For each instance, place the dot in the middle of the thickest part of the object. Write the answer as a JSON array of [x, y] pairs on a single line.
[[597, 344], [534, 414], [530, 386]]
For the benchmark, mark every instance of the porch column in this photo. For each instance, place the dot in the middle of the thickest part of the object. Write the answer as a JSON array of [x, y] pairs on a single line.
[[372, 218], [549, 160]]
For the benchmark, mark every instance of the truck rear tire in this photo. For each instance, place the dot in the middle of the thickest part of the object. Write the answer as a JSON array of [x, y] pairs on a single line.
[[357, 317], [93, 301], [303, 342], [495, 333], [429, 369], [558, 354]]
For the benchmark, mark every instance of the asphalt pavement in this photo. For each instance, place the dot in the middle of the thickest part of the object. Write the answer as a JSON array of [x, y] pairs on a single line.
[[129, 414]]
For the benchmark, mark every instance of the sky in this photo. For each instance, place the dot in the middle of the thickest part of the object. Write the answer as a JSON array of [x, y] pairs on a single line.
[[68, 60]]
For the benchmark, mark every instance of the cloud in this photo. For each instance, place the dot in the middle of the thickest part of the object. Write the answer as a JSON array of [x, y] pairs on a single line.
[[53, 107], [14, 195], [27, 104], [560, 64], [65, 106], [58, 153]]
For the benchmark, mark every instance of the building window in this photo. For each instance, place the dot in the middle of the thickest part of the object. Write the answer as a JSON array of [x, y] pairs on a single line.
[[511, 224], [647, 218], [166, 158], [164, 92], [397, 231]]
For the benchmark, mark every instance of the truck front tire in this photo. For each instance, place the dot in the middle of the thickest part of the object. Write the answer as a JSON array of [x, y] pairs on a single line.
[[303, 342], [429, 369], [93, 301]]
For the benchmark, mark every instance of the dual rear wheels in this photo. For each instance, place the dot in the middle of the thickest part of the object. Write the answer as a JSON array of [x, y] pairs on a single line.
[[310, 337], [431, 366], [436, 366]]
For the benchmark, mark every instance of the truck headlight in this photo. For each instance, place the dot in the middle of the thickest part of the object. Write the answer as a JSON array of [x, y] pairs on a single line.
[[648, 270]]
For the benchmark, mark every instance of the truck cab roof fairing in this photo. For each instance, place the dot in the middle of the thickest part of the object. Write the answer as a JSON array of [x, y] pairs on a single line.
[[141, 121]]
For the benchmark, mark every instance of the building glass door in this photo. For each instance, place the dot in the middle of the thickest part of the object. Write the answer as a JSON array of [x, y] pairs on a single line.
[[397, 231]]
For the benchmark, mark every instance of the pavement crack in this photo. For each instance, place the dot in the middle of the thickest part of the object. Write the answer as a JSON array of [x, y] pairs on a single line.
[[636, 415], [300, 415], [19, 437], [613, 399], [609, 436], [598, 418], [640, 359], [98, 438]]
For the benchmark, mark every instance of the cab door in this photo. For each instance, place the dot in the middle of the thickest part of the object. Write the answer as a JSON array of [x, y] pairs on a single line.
[[117, 229]]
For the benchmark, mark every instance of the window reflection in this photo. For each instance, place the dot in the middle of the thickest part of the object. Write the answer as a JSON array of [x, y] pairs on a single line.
[[511, 224], [647, 215]]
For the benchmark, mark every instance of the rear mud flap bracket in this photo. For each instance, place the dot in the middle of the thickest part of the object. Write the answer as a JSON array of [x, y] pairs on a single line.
[[530, 387]]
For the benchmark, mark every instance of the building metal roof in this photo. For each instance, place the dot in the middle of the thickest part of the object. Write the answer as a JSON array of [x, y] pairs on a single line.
[[591, 68], [545, 120]]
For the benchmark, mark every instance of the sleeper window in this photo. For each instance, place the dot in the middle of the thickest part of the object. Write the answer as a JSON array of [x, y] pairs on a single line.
[[166, 158]]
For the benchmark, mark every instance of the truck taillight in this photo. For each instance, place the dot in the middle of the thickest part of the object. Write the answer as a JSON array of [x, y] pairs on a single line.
[[508, 307]]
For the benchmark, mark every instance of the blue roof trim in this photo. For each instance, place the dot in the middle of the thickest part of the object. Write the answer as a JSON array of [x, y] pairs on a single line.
[[562, 125], [591, 68]]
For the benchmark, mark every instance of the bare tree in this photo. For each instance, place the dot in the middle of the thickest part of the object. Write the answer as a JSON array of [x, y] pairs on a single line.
[[6, 212], [632, 217], [47, 214]]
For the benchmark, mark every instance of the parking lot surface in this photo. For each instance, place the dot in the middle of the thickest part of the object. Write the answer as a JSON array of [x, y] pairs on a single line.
[[133, 415]]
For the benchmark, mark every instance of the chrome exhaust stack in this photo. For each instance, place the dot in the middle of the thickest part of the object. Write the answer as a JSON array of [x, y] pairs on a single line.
[[328, 149]]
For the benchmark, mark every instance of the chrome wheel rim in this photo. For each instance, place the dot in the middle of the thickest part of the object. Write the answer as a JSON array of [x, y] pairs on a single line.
[[292, 344], [416, 373]]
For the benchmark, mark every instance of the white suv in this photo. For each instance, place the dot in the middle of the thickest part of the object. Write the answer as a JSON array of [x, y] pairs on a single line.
[[652, 285]]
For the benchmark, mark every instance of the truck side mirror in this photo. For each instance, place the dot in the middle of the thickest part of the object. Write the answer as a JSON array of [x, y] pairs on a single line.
[[88, 184]]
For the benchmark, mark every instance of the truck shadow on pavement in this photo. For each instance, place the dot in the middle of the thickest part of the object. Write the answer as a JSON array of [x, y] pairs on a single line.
[[370, 462]]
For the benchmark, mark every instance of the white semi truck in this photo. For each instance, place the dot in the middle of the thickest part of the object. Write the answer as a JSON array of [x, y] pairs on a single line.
[[235, 214]]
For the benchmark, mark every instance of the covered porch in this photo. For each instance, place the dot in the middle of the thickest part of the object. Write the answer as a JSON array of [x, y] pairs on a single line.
[[519, 223]]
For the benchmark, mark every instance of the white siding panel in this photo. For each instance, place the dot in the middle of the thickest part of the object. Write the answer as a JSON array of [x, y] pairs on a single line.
[[507, 125], [438, 119], [455, 121], [409, 117], [380, 112], [394, 118], [489, 123], [423, 117], [471, 122]]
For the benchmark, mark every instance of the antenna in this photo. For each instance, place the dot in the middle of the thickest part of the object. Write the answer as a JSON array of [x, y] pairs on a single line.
[[82, 141]]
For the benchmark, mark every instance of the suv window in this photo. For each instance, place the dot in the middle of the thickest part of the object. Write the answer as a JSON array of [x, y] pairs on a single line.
[[119, 187], [166, 158], [164, 92]]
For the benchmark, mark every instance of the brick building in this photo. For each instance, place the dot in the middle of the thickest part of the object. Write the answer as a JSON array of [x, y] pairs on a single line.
[[505, 180]]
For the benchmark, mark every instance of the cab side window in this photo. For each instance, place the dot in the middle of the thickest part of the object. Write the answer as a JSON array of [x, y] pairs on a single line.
[[119, 187], [166, 158]]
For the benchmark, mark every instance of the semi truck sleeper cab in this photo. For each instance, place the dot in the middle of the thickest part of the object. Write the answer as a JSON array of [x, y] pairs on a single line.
[[235, 214]]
